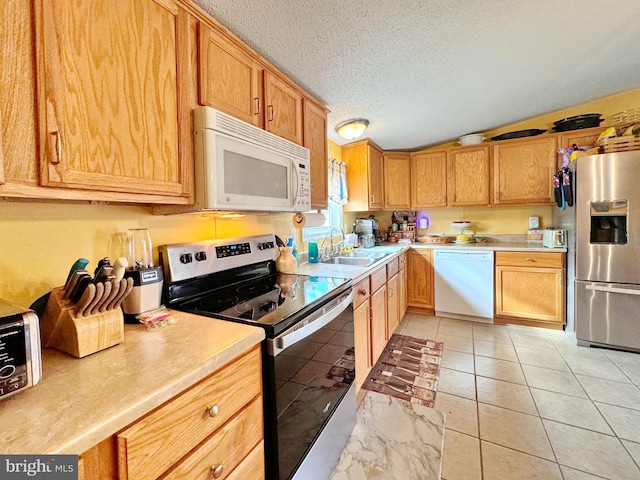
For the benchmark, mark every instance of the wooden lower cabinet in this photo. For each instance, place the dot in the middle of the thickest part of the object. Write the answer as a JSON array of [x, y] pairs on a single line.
[[420, 273], [362, 331], [216, 424], [402, 284], [530, 288], [377, 313]]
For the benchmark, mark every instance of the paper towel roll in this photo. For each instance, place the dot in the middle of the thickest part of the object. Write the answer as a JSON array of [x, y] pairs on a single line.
[[306, 220]]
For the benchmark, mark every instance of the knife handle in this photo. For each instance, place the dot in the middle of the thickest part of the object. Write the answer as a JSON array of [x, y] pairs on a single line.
[[114, 290], [126, 292], [78, 265], [99, 289], [121, 290], [106, 291], [81, 286], [87, 298]]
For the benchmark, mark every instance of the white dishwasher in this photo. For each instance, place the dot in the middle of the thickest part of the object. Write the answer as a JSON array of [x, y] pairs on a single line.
[[464, 284]]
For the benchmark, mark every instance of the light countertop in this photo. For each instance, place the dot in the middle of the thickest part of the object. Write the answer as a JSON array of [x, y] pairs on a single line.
[[358, 272], [80, 402]]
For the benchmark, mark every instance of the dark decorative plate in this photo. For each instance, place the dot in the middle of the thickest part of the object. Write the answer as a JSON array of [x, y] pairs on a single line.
[[519, 134]]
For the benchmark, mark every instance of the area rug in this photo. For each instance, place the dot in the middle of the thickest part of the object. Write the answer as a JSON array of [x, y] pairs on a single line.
[[408, 369]]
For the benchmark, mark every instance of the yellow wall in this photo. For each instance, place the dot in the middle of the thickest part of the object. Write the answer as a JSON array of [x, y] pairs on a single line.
[[40, 240]]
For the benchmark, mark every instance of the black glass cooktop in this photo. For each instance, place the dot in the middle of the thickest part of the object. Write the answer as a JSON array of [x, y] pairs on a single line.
[[273, 302]]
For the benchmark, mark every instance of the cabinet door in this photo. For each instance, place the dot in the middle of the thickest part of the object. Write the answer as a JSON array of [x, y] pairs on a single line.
[[362, 342], [108, 95], [530, 293], [378, 322], [429, 179], [376, 178], [393, 305], [283, 108], [420, 278], [18, 137], [397, 181], [402, 286], [230, 78], [469, 171], [523, 171], [315, 139]]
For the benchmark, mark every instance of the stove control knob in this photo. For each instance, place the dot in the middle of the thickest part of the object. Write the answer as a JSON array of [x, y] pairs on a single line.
[[186, 258], [265, 245], [268, 306], [201, 256]]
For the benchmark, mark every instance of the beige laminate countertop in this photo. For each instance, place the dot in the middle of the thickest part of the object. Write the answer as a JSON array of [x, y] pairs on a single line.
[[80, 402], [357, 273]]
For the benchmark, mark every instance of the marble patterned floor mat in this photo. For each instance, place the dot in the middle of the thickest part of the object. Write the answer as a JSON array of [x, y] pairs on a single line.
[[408, 369]]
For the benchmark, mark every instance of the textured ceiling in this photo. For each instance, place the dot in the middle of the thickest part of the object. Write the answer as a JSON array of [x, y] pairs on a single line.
[[427, 71]]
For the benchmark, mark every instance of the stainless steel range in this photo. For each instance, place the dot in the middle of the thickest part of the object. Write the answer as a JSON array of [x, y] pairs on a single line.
[[308, 354]]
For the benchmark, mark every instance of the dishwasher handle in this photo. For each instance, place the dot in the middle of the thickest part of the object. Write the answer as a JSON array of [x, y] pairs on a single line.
[[311, 324]]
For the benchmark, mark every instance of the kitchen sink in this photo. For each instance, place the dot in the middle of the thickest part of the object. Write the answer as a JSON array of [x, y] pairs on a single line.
[[344, 260], [365, 254], [360, 258]]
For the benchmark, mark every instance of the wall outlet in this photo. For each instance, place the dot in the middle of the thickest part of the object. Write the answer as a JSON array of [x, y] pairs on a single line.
[[292, 234]]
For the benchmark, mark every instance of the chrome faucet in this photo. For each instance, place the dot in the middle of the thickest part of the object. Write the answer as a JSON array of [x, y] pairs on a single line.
[[332, 248]]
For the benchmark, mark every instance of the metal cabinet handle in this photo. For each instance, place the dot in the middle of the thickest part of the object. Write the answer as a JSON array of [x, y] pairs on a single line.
[[257, 106], [216, 470], [58, 158], [528, 259], [390, 292], [213, 410], [270, 113], [373, 199]]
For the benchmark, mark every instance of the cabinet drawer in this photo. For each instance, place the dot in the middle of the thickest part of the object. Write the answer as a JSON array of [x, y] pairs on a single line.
[[530, 259], [225, 449], [361, 292], [251, 467], [184, 421], [378, 279], [392, 268]]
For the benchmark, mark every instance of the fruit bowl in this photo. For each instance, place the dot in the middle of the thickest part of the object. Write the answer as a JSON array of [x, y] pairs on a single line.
[[461, 224]]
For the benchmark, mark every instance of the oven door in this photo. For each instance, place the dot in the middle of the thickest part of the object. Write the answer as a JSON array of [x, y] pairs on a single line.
[[312, 367]]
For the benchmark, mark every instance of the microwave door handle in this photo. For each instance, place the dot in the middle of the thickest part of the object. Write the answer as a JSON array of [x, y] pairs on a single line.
[[296, 183], [278, 344]]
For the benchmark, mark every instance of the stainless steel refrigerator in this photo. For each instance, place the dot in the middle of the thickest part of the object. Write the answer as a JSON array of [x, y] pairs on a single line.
[[603, 259]]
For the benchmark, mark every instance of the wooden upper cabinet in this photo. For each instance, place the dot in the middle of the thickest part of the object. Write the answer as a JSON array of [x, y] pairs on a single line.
[[283, 108], [365, 176], [397, 180], [231, 80], [523, 171], [18, 134], [469, 173], [429, 179], [108, 95], [315, 139]]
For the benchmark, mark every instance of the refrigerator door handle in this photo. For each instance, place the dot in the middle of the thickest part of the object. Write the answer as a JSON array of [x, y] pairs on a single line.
[[625, 291]]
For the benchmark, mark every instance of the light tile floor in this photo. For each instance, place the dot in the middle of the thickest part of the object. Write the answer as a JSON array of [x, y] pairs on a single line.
[[527, 403]]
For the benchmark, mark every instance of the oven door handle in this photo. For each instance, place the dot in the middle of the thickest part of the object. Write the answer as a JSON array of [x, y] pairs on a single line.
[[311, 325]]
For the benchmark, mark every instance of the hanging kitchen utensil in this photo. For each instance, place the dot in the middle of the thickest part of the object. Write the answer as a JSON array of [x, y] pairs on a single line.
[[557, 189], [567, 187]]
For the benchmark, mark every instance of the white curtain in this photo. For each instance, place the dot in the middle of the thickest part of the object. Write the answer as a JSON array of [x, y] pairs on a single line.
[[338, 182]]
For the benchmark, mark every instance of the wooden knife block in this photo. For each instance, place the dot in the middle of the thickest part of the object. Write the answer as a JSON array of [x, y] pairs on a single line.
[[79, 336]]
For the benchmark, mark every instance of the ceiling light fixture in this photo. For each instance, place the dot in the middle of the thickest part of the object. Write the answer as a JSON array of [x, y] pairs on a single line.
[[352, 129]]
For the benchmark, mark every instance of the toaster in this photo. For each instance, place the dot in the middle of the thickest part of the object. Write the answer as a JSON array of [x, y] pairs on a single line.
[[552, 238], [20, 360]]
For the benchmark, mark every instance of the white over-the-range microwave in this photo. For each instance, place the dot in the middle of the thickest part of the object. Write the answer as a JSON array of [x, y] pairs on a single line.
[[240, 167]]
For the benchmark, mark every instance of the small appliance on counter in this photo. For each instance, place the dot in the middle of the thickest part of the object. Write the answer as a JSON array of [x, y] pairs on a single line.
[[364, 230], [20, 365], [147, 278], [552, 238]]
